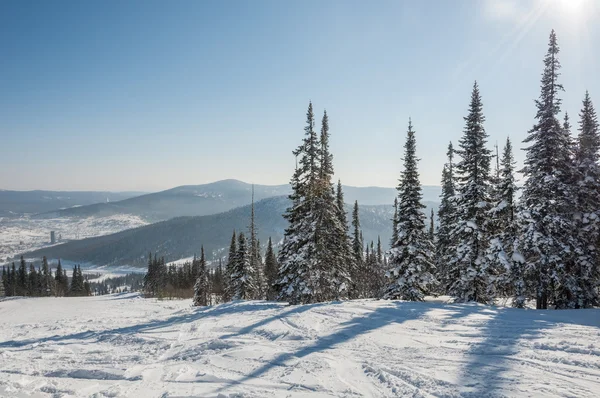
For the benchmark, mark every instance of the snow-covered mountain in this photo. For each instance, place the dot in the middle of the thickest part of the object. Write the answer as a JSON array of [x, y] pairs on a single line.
[[217, 197], [17, 203], [183, 236]]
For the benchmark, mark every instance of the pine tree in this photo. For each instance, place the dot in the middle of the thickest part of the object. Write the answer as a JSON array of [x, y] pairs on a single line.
[[503, 231], [271, 268], [447, 218], [587, 224], [297, 279], [230, 268], [411, 256], [469, 273], [242, 277], [201, 287], [546, 241]]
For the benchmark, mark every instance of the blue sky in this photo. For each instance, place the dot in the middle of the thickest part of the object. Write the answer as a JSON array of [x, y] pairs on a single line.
[[147, 95]]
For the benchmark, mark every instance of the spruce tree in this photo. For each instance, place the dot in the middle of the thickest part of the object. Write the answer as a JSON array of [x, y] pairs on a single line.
[[431, 233], [254, 254], [344, 244], [395, 223], [201, 287], [470, 276], [545, 213], [230, 268], [447, 219], [357, 278], [587, 224], [271, 268], [242, 277], [298, 279], [22, 279], [411, 256], [58, 278], [331, 272], [507, 268]]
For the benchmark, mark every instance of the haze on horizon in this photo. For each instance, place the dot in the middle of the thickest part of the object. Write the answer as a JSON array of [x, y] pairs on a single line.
[[145, 96]]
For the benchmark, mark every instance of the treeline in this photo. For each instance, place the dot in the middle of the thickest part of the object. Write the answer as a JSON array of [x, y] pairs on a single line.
[[133, 282], [26, 280], [543, 246]]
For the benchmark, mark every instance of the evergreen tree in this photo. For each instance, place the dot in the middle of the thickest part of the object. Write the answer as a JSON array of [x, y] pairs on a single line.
[[395, 224], [431, 233], [503, 231], [358, 254], [271, 268], [254, 255], [47, 280], [344, 249], [201, 287], [58, 278], [230, 268], [411, 256], [3, 282], [546, 241], [298, 279], [447, 218], [22, 280], [587, 224], [242, 278], [331, 272], [470, 274]]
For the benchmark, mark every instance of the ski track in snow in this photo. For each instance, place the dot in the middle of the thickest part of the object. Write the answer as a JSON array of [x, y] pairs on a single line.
[[126, 346]]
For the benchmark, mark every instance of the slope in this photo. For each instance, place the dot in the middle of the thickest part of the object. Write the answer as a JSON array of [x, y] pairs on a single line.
[[125, 346]]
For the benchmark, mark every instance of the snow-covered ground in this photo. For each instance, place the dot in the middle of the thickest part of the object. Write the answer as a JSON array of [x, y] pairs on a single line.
[[23, 234], [126, 346]]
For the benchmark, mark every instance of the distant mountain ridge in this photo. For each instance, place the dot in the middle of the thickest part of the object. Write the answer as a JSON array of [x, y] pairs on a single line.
[[38, 201], [218, 197], [183, 236]]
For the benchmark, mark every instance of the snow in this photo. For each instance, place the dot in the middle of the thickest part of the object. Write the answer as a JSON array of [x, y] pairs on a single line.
[[123, 345], [22, 234]]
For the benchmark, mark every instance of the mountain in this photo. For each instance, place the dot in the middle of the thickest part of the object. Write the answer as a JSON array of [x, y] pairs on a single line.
[[15, 203], [217, 197], [183, 236]]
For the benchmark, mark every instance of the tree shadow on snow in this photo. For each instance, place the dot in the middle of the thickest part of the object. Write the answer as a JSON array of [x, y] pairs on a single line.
[[234, 307], [486, 373], [396, 312]]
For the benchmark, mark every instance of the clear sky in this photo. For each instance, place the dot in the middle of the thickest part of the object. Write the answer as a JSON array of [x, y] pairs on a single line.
[[147, 95]]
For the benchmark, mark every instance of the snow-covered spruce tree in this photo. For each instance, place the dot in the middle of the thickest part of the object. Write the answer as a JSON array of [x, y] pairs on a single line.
[[545, 209], [431, 232], [332, 274], [271, 268], [254, 255], [242, 277], [201, 287], [411, 256], [357, 277], [588, 206], [469, 272], [298, 279], [447, 219], [345, 255], [395, 223], [505, 265], [229, 268]]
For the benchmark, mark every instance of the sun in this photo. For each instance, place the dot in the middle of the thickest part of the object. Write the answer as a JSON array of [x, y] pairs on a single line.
[[572, 6]]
